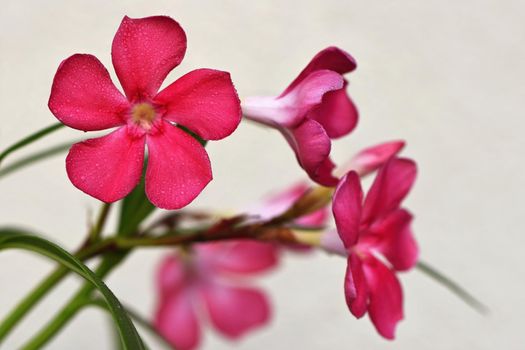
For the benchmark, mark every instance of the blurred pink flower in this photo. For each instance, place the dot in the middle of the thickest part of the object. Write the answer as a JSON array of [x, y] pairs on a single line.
[[314, 109], [374, 157], [83, 97], [206, 283], [377, 238]]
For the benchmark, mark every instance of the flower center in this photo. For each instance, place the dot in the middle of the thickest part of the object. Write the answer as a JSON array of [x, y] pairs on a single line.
[[143, 114]]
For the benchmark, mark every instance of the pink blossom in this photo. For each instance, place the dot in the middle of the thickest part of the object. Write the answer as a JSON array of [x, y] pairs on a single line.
[[314, 109], [83, 97], [279, 202], [376, 237], [206, 284], [374, 157]]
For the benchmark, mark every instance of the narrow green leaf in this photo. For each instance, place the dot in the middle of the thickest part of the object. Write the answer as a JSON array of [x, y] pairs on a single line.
[[455, 288], [38, 156], [30, 139], [13, 238]]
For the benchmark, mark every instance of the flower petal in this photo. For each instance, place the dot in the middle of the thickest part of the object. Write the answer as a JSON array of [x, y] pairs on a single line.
[[312, 148], [372, 158], [83, 96], [144, 51], [346, 206], [177, 321], [204, 101], [390, 187], [109, 167], [331, 58], [236, 310], [395, 239], [171, 275], [278, 203], [239, 257], [386, 297], [178, 167], [291, 109], [356, 289], [336, 113]]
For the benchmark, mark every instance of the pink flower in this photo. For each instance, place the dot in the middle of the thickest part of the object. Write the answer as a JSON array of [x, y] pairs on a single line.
[[314, 109], [206, 284], [370, 159], [278, 203], [377, 238], [204, 101]]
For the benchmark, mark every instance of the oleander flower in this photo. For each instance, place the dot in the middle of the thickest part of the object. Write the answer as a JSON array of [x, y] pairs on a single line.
[[376, 237], [203, 101], [372, 158], [279, 202], [313, 109], [206, 284]]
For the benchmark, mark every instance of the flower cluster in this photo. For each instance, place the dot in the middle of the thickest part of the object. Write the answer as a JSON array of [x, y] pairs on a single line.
[[202, 281]]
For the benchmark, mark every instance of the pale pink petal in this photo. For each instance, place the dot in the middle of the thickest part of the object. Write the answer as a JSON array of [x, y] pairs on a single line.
[[386, 297], [177, 321], [395, 239], [234, 311], [84, 97], [178, 168], [144, 51], [108, 167], [278, 203], [332, 243], [346, 206], [356, 289], [290, 110], [337, 113], [372, 158], [312, 148], [239, 256], [316, 219], [331, 58], [391, 185], [204, 101], [171, 275]]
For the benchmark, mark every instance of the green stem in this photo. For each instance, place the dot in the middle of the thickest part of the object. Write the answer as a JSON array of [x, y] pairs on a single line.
[[95, 232], [455, 288], [31, 300], [79, 300], [29, 139]]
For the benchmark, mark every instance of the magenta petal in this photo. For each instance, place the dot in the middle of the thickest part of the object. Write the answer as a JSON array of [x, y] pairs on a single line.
[[177, 321], [336, 113], [386, 297], [395, 239], [84, 97], [178, 167], [144, 51], [312, 147], [236, 310], [331, 58], [171, 275], [239, 257], [290, 110], [108, 167], [372, 158], [346, 206], [278, 203], [356, 290], [204, 101], [391, 185]]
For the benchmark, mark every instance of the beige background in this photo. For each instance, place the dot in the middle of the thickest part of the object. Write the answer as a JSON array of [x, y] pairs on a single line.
[[445, 75]]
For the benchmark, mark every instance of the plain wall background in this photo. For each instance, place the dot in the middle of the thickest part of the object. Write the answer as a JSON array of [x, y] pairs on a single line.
[[447, 76]]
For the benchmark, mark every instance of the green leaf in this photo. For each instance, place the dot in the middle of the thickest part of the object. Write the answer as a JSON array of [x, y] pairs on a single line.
[[134, 209], [30, 139], [13, 238], [35, 157]]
